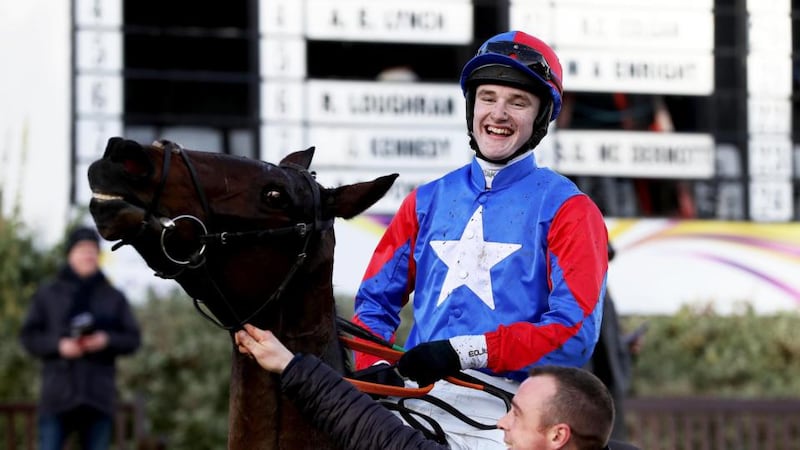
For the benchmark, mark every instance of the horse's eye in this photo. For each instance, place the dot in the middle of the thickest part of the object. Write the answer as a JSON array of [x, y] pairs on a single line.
[[274, 198]]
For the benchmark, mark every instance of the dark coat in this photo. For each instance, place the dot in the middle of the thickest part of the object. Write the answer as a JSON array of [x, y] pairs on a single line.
[[611, 362], [89, 380], [353, 419]]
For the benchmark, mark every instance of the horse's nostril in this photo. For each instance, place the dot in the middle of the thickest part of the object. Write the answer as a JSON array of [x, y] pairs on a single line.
[[135, 167]]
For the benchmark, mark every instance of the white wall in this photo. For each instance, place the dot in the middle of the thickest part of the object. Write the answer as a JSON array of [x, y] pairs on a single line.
[[34, 114]]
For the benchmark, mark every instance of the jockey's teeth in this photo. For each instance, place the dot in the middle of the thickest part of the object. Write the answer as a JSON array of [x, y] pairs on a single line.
[[503, 131], [105, 197]]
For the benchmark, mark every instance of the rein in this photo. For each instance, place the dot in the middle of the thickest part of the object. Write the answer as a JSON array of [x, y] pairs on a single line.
[[374, 345]]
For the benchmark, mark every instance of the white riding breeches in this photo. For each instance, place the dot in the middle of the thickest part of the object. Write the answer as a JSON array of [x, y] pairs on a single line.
[[477, 405]]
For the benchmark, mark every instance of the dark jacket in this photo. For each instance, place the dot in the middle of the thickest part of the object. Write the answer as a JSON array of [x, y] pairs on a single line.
[[353, 419], [89, 380], [611, 362]]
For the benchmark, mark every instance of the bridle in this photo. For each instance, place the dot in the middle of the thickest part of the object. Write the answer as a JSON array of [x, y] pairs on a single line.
[[199, 259]]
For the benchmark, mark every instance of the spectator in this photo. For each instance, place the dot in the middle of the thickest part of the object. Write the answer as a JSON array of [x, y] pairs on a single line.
[[78, 324], [506, 260]]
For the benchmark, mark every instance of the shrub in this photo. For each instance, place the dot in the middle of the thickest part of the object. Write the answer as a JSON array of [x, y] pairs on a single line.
[[699, 352], [182, 370], [22, 267]]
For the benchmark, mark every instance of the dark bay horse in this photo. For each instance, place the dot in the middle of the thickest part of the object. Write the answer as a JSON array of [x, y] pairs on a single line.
[[251, 242]]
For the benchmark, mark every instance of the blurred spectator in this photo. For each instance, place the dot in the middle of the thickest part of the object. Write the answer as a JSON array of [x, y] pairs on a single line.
[[78, 324]]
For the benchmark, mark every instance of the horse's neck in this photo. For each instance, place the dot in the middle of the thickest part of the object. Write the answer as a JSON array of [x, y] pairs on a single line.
[[260, 417]]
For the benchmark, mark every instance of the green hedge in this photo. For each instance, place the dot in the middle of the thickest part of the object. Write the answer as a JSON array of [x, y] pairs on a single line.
[[182, 369], [699, 352], [22, 266]]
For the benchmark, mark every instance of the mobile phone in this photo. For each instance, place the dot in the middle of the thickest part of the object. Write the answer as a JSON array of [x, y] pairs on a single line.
[[638, 332]]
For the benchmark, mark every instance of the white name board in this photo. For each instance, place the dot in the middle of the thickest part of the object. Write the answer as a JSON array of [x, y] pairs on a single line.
[[773, 116], [92, 136], [98, 13], [769, 6], [770, 157], [770, 33], [638, 72], [282, 100], [771, 201], [418, 21], [349, 102], [283, 58], [280, 17], [390, 148], [278, 139], [580, 26], [630, 154], [98, 95], [683, 5], [769, 75], [98, 51]]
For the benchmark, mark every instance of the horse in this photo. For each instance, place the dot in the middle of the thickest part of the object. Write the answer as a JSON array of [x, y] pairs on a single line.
[[250, 242]]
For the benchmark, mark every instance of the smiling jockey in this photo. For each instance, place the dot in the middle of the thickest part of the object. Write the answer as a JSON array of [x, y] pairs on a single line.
[[506, 260]]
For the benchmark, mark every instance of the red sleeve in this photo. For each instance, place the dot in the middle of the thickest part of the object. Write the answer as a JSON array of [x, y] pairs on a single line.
[[375, 303], [577, 263]]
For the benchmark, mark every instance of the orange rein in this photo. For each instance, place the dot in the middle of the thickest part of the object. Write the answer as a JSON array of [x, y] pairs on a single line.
[[392, 356]]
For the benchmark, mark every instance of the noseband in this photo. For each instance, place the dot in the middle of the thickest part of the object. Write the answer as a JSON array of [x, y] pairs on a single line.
[[198, 260]]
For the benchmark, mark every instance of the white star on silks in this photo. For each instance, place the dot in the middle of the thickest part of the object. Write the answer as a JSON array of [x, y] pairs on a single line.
[[470, 259]]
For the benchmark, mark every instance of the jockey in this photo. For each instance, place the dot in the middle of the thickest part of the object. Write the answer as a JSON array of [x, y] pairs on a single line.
[[506, 260]]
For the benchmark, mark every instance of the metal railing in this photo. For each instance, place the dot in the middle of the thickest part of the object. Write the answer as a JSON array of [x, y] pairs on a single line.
[[18, 426], [697, 423], [687, 423]]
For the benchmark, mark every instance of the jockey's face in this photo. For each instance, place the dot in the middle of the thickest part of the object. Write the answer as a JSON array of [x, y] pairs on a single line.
[[526, 427], [503, 119]]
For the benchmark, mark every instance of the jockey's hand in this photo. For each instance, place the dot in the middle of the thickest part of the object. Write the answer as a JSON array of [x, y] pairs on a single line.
[[428, 362], [431, 361], [381, 373]]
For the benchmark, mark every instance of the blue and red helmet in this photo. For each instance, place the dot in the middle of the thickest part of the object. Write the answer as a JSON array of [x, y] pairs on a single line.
[[524, 53], [519, 60]]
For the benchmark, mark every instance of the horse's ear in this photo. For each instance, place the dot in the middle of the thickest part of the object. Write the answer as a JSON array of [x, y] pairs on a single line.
[[300, 158], [351, 200]]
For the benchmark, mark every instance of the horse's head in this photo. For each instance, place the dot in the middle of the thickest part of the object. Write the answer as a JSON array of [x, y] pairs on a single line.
[[234, 232]]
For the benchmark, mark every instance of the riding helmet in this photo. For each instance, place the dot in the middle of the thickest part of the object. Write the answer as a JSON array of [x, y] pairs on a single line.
[[518, 60]]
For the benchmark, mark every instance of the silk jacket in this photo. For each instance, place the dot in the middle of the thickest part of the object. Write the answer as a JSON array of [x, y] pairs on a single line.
[[522, 263]]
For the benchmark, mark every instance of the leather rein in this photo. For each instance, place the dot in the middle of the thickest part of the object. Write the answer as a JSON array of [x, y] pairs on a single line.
[[365, 341], [198, 260]]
